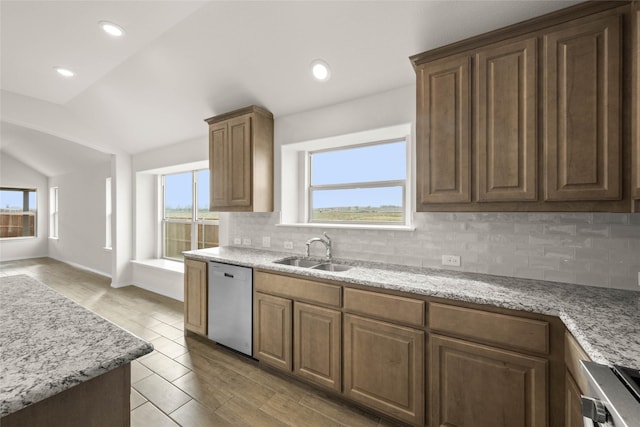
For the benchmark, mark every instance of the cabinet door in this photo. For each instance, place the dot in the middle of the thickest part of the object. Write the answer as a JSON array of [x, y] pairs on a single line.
[[272, 330], [582, 130], [384, 367], [443, 127], [505, 111], [240, 164], [573, 405], [195, 296], [474, 385], [218, 165], [317, 337]]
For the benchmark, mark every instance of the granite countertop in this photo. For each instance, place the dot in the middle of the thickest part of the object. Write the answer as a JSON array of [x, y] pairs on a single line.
[[606, 322], [49, 343]]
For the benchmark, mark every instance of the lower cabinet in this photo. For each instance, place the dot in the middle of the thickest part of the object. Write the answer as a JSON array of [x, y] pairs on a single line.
[[317, 344], [272, 330], [418, 361], [384, 367], [575, 381], [475, 385], [573, 405], [195, 296], [292, 335]]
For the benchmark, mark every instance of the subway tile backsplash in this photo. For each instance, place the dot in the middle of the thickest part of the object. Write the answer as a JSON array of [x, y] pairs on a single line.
[[584, 248]]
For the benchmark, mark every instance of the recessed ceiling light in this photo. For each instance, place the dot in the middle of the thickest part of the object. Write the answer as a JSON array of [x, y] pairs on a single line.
[[111, 28], [64, 71], [320, 70]]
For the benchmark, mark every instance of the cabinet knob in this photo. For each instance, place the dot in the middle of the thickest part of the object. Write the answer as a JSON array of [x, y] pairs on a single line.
[[594, 409]]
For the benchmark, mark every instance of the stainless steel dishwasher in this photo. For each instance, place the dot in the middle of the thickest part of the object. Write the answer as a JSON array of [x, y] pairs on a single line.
[[231, 306]]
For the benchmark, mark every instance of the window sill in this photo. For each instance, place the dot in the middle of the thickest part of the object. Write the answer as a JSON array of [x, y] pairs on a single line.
[[53, 238], [351, 226], [108, 248], [8, 239], [162, 264]]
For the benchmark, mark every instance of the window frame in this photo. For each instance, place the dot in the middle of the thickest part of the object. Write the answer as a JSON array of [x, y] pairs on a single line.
[[403, 183], [194, 221], [54, 214], [108, 241]]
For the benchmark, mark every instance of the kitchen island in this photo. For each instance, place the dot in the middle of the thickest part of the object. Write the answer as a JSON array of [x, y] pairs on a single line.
[[61, 364]]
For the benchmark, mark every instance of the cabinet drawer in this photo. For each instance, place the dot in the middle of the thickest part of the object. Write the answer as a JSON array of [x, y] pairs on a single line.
[[297, 288], [388, 307], [573, 354], [499, 329]]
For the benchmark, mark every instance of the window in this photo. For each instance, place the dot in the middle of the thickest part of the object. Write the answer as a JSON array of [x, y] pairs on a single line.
[[53, 212], [187, 223], [18, 209], [356, 180], [363, 184], [108, 214]]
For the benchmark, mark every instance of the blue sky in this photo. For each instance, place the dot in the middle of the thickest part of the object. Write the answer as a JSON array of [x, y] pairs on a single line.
[[361, 164], [178, 190], [13, 199]]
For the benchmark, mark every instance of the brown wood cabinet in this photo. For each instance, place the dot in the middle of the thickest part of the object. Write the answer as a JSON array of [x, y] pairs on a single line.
[[505, 115], [384, 367], [103, 401], [195, 296], [420, 360], [582, 103], [317, 350], [544, 128], [475, 385], [295, 331], [444, 131], [575, 381], [635, 105], [272, 330], [241, 160]]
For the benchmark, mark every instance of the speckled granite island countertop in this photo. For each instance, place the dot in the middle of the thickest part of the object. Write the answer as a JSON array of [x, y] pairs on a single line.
[[48, 343], [606, 322]]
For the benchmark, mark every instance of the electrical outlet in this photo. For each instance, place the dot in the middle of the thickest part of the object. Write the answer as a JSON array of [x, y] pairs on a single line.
[[453, 260], [288, 245], [237, 241], [266, 241], [246, 241]]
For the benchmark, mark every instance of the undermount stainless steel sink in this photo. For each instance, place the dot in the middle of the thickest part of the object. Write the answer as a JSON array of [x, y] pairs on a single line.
[[298, 262], [330, 266], [313, 264]]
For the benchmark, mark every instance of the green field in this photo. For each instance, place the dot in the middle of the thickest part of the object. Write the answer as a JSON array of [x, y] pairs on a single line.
[[359, 214]]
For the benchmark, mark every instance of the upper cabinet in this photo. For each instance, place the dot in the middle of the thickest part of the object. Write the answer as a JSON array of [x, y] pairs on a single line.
[[582, 100], [543, 127], [444, 132], [241, 161], [505, 116]]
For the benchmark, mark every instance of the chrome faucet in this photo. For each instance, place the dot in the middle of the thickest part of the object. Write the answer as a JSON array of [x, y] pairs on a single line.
[[326, 242]]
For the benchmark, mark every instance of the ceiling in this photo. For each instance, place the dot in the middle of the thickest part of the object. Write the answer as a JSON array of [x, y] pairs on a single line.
[[183, 61]]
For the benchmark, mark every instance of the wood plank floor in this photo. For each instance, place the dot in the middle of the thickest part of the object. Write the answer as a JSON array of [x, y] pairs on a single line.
[[189, 381]]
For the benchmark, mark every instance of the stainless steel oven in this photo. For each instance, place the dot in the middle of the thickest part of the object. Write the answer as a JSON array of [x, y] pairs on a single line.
[[613, 397]]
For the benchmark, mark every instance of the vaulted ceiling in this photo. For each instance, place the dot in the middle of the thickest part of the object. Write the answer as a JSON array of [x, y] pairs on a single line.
[[182, 61]]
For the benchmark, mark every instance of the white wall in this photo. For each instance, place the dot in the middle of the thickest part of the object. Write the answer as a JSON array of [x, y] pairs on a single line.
[[14, 173], [81, 218]]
